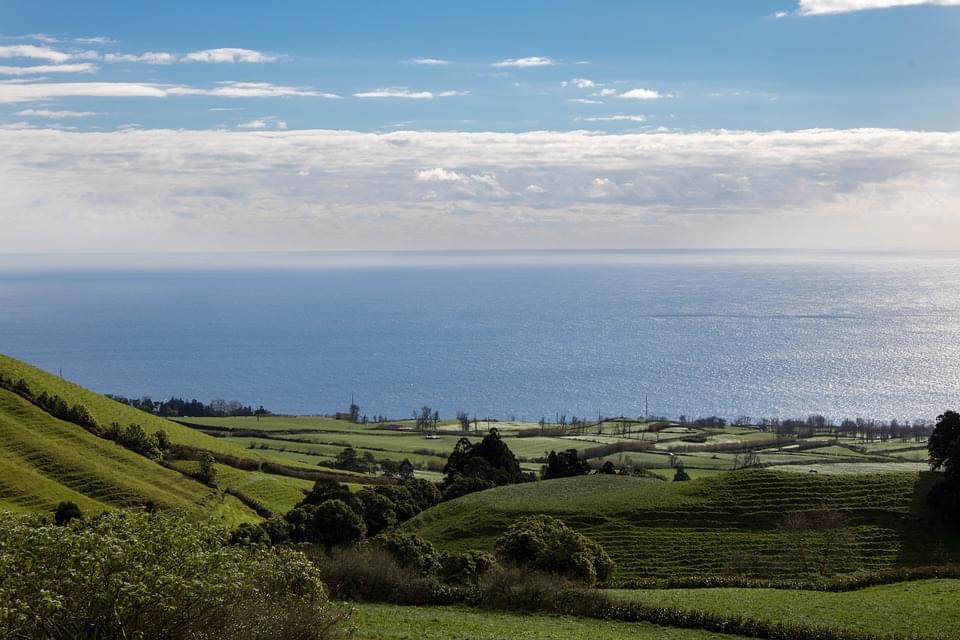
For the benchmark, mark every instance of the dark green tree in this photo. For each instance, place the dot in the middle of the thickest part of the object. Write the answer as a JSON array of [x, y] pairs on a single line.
[[378, 511], [564, 465], [207, 473], [944, 444], [65, 512], [331, 524]]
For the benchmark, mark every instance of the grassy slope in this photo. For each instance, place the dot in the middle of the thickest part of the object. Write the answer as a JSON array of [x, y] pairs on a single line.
[[713, 526], [393, 622], [44, 461], [927, 608], [106, 411]]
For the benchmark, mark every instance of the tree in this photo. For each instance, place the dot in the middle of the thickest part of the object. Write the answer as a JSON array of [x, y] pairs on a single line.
[[944, 444], [65, 512], [409, 550], [464, 421], [490, 460], [331, 523], [207, 474], [354, 412], [325, 489], [405, 470], [564, 465], [544, 543], [378, 511], [260, 412]]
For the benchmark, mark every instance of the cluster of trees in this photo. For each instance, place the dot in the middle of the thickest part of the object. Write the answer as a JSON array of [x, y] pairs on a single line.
[[484, 465], [426, 419], [332, 516], [564, 465], [178, 407]]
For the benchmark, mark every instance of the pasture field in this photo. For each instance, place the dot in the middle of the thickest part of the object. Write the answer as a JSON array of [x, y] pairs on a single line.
[[926, 608], [726, 524], [395, 622]]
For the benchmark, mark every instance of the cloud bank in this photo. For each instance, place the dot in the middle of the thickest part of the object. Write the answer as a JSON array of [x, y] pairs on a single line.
[[822, 7], [316, 189]]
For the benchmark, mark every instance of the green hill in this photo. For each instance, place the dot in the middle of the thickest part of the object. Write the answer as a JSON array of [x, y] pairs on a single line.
[[107, 411], [27, 487], [749, 523], [44, 461]]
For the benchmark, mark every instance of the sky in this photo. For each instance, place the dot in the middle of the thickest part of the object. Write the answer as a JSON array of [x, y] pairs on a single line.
[[317, 126]]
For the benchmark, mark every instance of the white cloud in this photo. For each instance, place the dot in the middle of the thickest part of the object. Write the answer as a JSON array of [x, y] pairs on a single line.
[[583, 83], [407, 94], [532, 61], [266, 122], [47, 113], [616, 118], [241, 189], [34, 52], [430, 61], [229, 55], [644, 94], [605, 93], [584, 101], [79, 67], [822, 7], [150, 57], [13, 93]]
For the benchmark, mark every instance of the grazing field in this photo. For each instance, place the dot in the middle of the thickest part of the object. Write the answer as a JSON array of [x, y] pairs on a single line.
[[394, 622], [728, 524], [925, 609], [44, 461]]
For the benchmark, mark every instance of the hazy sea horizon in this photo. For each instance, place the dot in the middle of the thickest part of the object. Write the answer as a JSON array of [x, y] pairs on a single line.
[[502, 334]]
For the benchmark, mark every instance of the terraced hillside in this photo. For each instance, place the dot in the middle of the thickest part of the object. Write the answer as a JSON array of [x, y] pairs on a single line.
[[753, 523], [44, 461]]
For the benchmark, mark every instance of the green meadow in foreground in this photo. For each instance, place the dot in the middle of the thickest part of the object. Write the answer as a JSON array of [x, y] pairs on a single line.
[[927, 608], [394, 622]]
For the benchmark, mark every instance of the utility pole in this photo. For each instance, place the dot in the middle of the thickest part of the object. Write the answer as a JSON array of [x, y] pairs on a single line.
[[646, 408]]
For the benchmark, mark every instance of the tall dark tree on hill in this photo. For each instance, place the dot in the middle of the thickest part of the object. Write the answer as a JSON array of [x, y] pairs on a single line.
[[944, 444], [944, 449], [564, 465], [488, 463]]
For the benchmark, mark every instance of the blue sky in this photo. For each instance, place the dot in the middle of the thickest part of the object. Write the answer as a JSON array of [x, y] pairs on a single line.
[[609, 70]]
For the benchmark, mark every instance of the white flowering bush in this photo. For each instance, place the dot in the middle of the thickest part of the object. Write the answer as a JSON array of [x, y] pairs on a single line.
[[135, 575]]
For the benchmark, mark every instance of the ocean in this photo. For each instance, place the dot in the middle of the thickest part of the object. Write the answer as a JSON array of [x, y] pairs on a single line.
[[505, 335]]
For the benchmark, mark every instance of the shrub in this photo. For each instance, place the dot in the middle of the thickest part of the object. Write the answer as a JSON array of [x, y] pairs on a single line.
[[409, 550], [544, 543], [65, 512], [513, 589], [466, 566], [153, 577], [378, 511], [373, 575]]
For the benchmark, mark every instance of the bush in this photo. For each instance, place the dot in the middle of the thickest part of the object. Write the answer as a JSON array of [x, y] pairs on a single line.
[[513, 589], [153, 577], [378, 511], [544, 543], [465, 567], [373, 575], [65, 512], [409, 550]]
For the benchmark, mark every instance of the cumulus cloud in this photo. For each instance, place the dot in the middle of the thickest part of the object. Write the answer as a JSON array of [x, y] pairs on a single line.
[[229, 55], [269, 189], [532, 61], [25, 92], [644, 94], [822, 7], [78, 67], [34, 52], [150, 57]]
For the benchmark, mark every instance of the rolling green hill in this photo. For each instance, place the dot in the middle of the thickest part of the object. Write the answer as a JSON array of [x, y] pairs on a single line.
[[737, 523], [44, 461]]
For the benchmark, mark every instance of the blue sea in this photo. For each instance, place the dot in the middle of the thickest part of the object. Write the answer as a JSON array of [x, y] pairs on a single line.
[[505, 335]]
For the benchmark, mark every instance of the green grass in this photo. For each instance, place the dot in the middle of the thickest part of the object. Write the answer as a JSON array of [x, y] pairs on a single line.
[[277, 493], [44, 461], [926, 608], [394, 622], [726, 524]]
